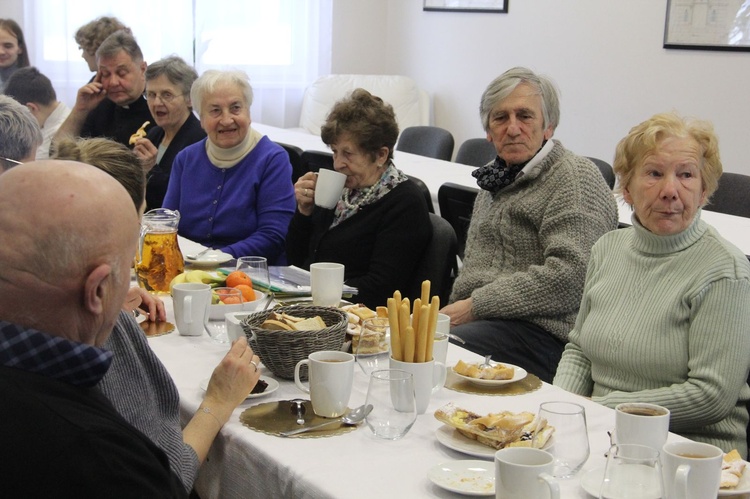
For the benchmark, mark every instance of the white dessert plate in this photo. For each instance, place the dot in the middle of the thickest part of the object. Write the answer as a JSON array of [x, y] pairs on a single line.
[[273, 385], [451, 438], [742, 488], [467, 477], [213, 257], [519, 373]]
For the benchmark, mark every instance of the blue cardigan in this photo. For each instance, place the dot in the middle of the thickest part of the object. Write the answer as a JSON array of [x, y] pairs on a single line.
[[242, 210]]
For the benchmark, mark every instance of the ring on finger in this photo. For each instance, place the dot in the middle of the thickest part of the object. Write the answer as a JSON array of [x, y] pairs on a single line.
[[307, 192], [254, 365]]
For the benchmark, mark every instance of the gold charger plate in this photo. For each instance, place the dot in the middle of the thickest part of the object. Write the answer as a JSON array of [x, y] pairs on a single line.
[[526, 385], [157, 328], [274, 417]]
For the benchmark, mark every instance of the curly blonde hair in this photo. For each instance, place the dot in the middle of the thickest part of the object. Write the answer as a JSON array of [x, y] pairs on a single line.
[[644, 139], [91, 35]]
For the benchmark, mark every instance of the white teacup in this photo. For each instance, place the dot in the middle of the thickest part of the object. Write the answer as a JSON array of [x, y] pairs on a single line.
[[328, 188], [331, 374], [327, 283], [641, 424], [692, 470], [191, 301], [429, 377], [524, 473]]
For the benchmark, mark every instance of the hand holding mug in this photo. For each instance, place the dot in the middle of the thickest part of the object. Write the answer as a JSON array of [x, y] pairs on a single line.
[[304, 193]]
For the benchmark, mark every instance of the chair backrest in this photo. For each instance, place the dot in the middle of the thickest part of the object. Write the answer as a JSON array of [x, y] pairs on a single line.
[[295, 158], [312, 161], [456, 205], [606, 169], [438, 265], [732, 196], [430, 141], [425, 191], [476, 152], [410, 103]]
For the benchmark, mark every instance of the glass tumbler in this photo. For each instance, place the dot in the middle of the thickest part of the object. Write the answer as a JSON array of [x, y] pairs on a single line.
[[256, 267], [391, 393], [570, 441]]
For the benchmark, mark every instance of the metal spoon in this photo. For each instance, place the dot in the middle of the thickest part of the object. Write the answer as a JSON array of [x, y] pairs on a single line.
[[298, 408], [198, 255], [486, 362], [353, 417]]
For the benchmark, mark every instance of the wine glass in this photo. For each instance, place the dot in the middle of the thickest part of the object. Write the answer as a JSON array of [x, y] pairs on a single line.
[[256, 267], [371, 350], [570, 441], [632, 471], [391, 393]]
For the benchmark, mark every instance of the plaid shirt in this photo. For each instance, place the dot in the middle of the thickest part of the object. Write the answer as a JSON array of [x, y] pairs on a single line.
[[52, 356]]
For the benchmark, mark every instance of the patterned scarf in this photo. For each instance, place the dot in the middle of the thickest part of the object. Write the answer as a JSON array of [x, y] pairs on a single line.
[[496, 175], [358, 198]]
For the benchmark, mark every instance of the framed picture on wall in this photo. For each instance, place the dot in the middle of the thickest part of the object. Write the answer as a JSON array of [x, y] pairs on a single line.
[[497, 6], [707, 25]]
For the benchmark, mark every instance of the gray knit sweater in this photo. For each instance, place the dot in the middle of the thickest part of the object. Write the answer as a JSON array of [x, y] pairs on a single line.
[[528, 245], [142, 391], [665, 320]]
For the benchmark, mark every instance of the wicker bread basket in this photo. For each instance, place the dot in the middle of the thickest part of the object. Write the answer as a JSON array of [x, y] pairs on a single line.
[[281, 350]]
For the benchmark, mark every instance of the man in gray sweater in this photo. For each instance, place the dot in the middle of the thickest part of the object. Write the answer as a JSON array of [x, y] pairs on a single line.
[[539, 211]]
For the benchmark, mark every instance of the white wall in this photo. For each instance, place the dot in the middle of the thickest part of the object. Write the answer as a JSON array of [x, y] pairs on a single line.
[[606, 57]]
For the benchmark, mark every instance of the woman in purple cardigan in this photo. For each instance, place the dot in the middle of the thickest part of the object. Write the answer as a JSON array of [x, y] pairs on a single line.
[[233, 189]]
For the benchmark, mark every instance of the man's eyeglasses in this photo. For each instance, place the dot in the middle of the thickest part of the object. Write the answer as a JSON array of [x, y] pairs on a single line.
[[165, 97], [11, 162]]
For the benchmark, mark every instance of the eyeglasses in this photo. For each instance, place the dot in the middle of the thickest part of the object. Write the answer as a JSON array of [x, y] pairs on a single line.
[[11, 161], [165, 97]]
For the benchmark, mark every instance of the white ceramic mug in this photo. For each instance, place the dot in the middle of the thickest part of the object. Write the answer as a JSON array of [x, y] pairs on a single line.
[[330, 373], [233, 320], [191, 301], [440, 347], [641, 424], [327, 283], [524, 473], [328, 188], [692, 470], [429, 377]]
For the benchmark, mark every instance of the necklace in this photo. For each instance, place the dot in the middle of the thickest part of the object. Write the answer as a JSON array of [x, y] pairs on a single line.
[[368, 194]]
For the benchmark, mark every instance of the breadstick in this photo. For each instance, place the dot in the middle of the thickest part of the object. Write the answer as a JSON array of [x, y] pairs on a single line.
[[415, 315], [397, 297], [403, 323], [409, 345], [396, 352], [433, 316], [422, 336], [425, 296]]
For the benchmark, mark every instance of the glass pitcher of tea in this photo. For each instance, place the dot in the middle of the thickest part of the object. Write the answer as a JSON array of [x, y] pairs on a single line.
[[159, 258]]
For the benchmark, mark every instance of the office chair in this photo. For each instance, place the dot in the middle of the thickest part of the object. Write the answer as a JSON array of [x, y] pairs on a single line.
[[438, 263], [312, 161], [606, 170], [295, 158], [456, 204], [732, 196], [476, 152], [425, 191], [430, 141]]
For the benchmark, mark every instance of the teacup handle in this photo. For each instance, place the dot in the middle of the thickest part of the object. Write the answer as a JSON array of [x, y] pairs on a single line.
[[439, 370], [680, 480], [187, 309], [554, 487], [298, 381]]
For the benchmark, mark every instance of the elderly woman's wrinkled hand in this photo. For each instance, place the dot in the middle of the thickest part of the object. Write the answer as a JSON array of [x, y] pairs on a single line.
[[235, 376], [304, 193]]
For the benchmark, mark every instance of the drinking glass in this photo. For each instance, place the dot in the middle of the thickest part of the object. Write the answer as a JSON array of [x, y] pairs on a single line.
[[217, 328], [372, 348], [391, 393], [632, 472], [256, 267], [570, 441]]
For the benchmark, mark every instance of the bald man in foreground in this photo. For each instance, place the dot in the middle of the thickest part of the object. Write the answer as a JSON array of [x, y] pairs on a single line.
[[69, 234]]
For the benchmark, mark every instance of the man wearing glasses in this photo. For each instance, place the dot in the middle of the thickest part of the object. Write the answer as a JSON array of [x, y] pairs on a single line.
[[112, 105], [20, 134]]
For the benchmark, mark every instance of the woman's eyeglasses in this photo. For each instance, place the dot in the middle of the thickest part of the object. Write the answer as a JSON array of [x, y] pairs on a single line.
[[165, 97]]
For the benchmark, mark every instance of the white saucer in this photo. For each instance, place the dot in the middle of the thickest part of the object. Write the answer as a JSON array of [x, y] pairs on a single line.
[[469, 477], [273, 385], [519, 373], [213, 257]]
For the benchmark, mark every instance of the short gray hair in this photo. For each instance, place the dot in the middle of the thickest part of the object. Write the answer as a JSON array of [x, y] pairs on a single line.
[[117, 41], [177, 71], [209, 80], [19, 131], [502, 86]]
